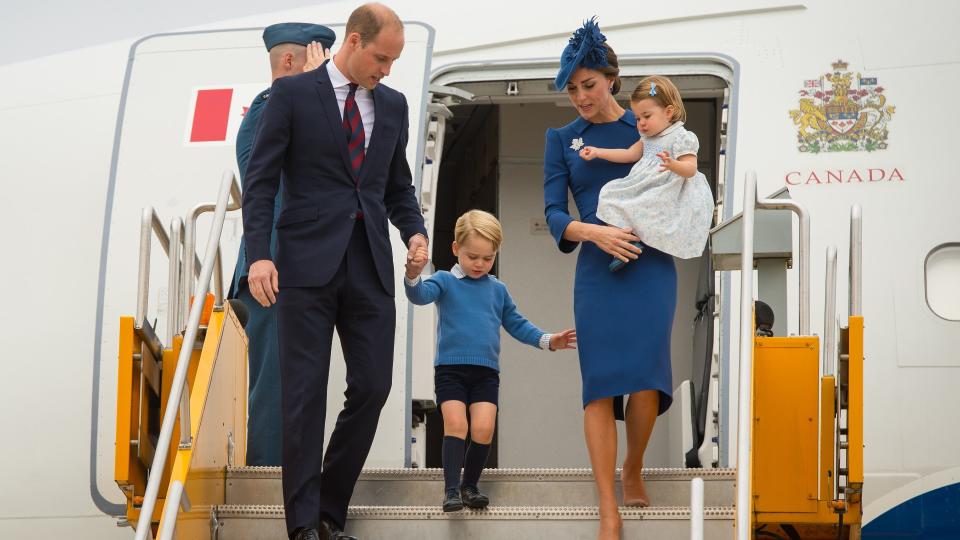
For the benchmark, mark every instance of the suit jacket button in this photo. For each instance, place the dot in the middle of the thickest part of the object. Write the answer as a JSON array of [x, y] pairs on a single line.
[[353, 215]]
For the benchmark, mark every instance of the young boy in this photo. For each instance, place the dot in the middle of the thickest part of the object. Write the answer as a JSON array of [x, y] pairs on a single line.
[[472, 305]]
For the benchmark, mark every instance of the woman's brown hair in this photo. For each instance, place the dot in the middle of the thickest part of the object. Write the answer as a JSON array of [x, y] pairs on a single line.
[[612, 71]]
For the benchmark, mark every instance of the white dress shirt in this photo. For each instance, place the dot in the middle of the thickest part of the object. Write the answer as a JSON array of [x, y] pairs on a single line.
[[364, 97]]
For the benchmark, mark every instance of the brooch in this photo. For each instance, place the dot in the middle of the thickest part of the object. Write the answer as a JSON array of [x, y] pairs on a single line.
[[577, 144]]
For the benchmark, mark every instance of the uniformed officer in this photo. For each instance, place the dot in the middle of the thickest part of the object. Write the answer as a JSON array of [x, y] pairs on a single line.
[[294, 48]]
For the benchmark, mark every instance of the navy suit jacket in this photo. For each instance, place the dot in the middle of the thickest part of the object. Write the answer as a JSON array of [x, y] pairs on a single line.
[[301, 139]]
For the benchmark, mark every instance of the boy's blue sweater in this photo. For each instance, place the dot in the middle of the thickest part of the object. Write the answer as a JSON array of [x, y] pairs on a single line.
[[471, 312]]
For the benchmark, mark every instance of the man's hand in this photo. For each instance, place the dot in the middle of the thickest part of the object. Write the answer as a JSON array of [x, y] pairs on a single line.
[[316, 55], [563, 340], [416, 260], [416, 241], [263, 282]]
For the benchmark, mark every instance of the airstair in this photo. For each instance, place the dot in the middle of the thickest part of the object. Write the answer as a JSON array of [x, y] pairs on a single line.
[[181, 417]]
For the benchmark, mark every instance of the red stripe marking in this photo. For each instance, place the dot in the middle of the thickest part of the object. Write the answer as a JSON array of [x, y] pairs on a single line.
[[211, 114]]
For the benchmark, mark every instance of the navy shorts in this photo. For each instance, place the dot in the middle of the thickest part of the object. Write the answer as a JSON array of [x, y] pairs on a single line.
[[466, 383]]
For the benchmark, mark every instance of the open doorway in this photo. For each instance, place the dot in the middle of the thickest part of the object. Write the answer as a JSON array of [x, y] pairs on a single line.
[[468, 179], [493, 160]]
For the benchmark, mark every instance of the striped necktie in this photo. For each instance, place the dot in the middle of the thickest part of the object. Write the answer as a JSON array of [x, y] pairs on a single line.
[[353, 127]]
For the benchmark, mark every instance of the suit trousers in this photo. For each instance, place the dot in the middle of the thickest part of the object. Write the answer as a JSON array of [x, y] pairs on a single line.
[[317, 486]]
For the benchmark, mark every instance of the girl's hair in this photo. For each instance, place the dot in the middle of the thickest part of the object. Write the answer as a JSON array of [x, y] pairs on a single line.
[[666, 93], [612, 70], [480, 223]]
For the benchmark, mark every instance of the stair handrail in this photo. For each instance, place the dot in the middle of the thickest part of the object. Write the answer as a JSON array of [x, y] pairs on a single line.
[[856, 261], [751, 202], [228, 185], [176, 499], [190, 242]]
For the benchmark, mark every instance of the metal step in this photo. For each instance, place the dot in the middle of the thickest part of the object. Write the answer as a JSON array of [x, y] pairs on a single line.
[[506, 487], [256, 522]]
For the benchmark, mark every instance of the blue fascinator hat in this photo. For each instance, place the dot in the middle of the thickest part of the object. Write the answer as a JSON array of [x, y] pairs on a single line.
[[585, 49]]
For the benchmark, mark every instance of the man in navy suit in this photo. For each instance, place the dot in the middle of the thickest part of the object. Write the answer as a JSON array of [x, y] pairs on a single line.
[[339, 139]]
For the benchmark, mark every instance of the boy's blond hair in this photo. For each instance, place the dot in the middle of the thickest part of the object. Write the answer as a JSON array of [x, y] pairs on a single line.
[[666, 93], [480, 223]]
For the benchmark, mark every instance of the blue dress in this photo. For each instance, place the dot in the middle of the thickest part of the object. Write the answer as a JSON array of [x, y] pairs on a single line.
[[623, 318]]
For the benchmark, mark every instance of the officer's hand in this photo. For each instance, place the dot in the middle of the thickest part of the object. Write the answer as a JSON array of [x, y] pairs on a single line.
[[316, 55], [263, 282]]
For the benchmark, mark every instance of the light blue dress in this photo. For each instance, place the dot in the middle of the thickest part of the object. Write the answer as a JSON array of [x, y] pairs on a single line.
[[623, 319], [667, 211]]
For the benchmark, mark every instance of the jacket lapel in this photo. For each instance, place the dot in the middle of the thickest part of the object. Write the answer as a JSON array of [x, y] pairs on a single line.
[[332, 110], [380, 117]]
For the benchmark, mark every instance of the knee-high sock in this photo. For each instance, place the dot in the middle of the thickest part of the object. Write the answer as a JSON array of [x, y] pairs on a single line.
[[474, 462], [452, 461]]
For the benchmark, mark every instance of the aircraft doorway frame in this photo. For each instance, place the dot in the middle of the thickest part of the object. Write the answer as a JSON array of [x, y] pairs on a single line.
[[717, 65]]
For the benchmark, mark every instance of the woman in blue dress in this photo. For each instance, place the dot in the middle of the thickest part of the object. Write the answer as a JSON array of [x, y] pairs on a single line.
[[623, 318]]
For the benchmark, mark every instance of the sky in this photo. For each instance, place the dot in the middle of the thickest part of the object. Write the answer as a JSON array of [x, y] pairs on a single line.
[[30, 30]]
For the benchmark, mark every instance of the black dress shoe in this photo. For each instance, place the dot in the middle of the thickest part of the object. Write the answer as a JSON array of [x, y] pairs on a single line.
[[472, 498], [307, 534], [452, 501], [334, 532]]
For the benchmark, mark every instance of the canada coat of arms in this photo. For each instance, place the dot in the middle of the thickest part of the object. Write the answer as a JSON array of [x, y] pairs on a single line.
[[842, 112]]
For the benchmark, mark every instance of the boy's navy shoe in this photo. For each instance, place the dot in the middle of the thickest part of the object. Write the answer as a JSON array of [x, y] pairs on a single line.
[[452, 501], [472, 498]]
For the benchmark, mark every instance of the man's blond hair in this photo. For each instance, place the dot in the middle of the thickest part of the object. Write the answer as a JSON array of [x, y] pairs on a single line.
[[480, 223]]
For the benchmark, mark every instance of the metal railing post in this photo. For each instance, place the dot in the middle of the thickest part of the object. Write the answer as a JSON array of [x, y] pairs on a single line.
[[856, 261], [228, 182], [186, 436], [173, 280], [745, 404], [696, 509], [149, 222], [218, 281], [830, 313]]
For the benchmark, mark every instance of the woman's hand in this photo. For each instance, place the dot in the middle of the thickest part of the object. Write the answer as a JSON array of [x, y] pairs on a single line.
[[563, 340], [615, 241]]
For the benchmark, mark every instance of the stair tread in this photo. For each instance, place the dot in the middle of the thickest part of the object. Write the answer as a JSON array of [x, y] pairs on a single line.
[[513, 474], [492, 512]]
